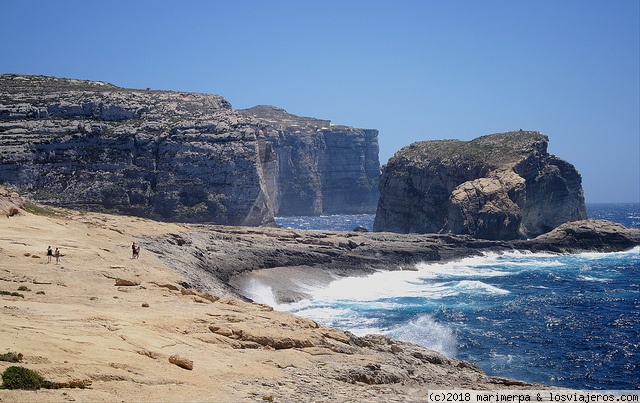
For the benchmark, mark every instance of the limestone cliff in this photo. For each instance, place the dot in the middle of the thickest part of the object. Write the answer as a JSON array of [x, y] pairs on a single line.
[[314, 167], [500, 186], [165, 155]]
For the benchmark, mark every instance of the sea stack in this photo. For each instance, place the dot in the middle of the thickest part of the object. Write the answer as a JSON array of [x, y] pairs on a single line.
[[501, 186]]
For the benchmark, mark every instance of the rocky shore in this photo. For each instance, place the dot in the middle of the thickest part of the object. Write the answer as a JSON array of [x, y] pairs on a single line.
[[171, 326], [213, 258]]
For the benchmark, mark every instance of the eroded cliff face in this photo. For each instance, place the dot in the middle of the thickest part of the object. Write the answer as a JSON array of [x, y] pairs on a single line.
[[164, 155], [314, 167], [500, 186]]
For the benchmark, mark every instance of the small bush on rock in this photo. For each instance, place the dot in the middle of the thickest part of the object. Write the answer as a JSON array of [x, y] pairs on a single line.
[[11, 357], [13, 294], [23, 378]]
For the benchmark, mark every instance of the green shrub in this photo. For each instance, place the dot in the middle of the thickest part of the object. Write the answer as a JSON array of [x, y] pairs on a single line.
[[40, 210], [23, 288], [11, 357], [13, 294], [23, 378]]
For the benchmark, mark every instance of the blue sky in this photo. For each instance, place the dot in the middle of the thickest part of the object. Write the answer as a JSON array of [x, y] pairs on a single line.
[[414, 70]]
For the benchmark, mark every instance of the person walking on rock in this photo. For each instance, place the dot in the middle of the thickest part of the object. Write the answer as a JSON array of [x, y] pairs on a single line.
[[135, 249], [57, 255], [49, 254]]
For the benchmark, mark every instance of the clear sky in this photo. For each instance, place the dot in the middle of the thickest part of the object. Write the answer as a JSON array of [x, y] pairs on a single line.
[[414, 70]]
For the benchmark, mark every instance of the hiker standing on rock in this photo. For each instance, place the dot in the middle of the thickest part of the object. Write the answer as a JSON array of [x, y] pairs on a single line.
[[135, 249], [49, 254], [57, 255]]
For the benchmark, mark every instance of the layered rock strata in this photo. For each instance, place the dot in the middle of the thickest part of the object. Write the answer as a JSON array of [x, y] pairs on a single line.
[[500, 186], [313, 167], [176, 156]]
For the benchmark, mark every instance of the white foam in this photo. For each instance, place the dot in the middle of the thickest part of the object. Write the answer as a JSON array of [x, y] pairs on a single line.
[[427, 332], [259, 292], [379, 285], [488, 265], [478, 287], [356, 303], [594, 279], [431, 281], [634, 252]]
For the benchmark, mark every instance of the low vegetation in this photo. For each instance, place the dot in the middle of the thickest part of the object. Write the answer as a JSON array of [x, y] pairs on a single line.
[[16, 377], [41, 210], [11, 357], [13, 294]]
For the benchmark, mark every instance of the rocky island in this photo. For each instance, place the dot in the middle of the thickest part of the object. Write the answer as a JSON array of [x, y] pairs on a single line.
[[499, 186], [176, 156]]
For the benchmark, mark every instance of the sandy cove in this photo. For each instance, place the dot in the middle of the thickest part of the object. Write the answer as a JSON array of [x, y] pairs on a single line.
[[75, 323]]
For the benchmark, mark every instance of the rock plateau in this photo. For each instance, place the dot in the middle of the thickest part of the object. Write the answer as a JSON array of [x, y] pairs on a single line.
[[160, 337]]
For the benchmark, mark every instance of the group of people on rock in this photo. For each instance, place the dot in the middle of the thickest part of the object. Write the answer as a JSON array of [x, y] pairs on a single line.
[[51, 253]]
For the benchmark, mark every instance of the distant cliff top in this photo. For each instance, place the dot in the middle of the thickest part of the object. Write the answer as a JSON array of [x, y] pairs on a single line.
[[493, 149], [15, 83], [281, 118], [32, 96]]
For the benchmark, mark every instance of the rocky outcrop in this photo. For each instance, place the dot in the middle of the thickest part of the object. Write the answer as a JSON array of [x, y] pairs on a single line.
[[10, 202], [587, 235], [175, 156], [215, 258], [501, 186]]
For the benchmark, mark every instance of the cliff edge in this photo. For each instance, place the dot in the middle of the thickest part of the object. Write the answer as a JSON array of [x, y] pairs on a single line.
[[314, 167], [174, 156], [500, 186]]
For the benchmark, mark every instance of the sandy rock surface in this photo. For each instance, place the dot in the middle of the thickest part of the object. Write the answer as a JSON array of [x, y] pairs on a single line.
[[151, 339]]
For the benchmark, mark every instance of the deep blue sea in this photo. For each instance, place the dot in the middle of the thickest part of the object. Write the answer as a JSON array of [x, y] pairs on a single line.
[[565, 320]]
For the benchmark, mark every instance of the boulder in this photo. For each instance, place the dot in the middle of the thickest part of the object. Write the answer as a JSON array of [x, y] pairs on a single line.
[[11, 203], [181, 362], [126, 283], [591, 234]]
